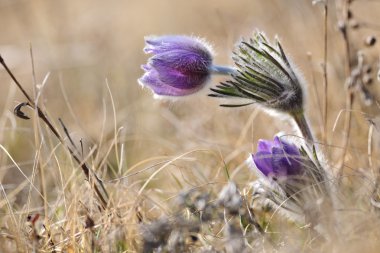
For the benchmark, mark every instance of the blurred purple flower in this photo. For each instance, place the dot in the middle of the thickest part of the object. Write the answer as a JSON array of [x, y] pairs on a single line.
[[180, 65], [278, 158]]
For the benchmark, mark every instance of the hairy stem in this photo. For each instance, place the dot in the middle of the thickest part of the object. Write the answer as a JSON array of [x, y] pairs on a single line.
[[222, 70], [304, 127]]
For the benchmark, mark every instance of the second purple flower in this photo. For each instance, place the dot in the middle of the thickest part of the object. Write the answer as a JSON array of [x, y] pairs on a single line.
[[278, 158]]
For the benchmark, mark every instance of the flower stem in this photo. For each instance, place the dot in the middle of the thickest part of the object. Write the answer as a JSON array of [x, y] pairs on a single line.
[[222, 70], [303, 126]]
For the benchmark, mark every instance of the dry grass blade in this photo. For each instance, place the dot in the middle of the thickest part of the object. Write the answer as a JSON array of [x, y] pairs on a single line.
[[98, 186]]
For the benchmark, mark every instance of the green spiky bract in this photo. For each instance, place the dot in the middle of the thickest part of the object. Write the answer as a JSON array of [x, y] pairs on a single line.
[[264, 75]]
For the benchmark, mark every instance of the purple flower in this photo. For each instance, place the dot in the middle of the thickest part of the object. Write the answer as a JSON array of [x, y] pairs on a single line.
[[278, 158], [180, 65]]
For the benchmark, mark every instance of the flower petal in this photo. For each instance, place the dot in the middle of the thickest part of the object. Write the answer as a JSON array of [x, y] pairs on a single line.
[[290, 148], [284, 163], [265, 145], [161, 44], [277, 141], [185, 61], [152, 81], [263, 162]]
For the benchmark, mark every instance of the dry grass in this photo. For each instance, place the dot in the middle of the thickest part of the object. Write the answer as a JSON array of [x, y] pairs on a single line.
[[149, 153]]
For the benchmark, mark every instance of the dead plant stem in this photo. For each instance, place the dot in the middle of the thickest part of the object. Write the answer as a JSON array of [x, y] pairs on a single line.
[[99, 188], [349, 95]]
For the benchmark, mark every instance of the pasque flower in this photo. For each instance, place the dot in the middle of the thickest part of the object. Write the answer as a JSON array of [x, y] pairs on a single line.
[[289, 165], [297, 183], [278, 159], [180, 65]]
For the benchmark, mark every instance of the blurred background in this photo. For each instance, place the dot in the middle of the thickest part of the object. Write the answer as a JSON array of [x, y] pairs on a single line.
[[90, 53]]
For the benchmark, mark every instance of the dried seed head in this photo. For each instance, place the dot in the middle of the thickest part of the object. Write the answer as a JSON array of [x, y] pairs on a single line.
[[370, 41], [235, 239], [155, 234], [367, 79], [367, 69], [349, 14], [208, 249], [342, 26], [230, 198], [350, 82], [198, 204], [354, 24], [176, 242], [366, 96]]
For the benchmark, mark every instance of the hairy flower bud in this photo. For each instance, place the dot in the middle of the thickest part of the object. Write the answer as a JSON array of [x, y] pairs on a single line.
[[180, 65], [264, 75]]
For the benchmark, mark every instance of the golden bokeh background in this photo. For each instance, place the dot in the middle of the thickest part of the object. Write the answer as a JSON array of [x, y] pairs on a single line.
[[92, 52]]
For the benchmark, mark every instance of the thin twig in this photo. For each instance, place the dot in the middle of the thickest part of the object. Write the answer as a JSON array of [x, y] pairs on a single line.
[[67, 133], [350, 94], [369, 146], [316, 93], [325, 82], [38, 142]]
